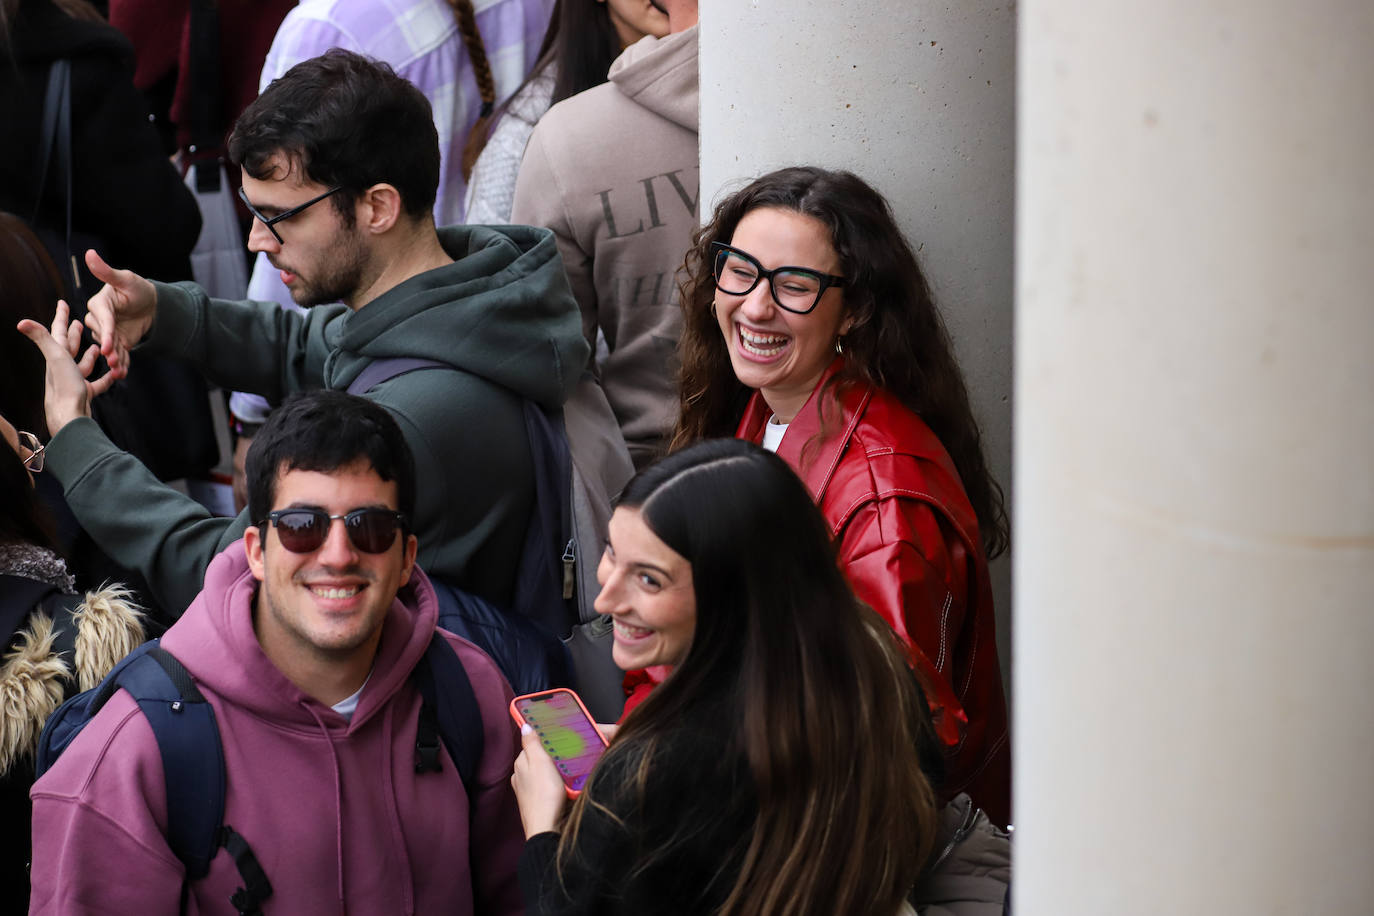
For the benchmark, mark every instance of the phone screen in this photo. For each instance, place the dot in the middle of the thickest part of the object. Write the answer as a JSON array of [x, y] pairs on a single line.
[[566, 731]]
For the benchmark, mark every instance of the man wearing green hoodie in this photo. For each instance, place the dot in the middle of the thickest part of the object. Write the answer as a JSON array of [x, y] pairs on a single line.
[[340, 164]]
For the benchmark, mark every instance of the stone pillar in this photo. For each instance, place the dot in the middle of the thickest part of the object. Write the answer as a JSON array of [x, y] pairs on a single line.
[[918, 99], [1195, 458]]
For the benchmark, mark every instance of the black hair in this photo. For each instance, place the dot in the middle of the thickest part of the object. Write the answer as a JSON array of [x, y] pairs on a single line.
[[31, 286], [821, 707], [582, 42], [348, 120], [24, 519], [324, 431]]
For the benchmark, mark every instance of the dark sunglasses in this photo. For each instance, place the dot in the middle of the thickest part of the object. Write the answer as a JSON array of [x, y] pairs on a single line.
[[305, 530]]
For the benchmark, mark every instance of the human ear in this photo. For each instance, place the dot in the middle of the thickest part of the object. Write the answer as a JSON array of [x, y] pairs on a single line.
[[252, 549], [411, 548], [380, 208]]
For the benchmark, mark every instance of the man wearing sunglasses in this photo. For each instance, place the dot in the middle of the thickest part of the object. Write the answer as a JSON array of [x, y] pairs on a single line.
[[340, 165], [304, 641]]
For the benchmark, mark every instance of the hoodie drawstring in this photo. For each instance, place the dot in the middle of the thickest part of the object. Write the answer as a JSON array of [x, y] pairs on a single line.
[[393, 810], [338, 798]]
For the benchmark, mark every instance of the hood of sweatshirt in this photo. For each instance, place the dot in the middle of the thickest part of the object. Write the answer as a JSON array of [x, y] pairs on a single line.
[[661, 75], [502, 311], [214, 639]]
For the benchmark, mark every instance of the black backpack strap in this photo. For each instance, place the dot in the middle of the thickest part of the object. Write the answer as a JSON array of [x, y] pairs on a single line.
[[449, 705], [545, 578], [383, 370], [256, 888]]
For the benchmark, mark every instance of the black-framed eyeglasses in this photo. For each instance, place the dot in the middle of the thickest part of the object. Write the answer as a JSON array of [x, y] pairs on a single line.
[[303, 530], [795, 289], [33, 459], [271, 221]]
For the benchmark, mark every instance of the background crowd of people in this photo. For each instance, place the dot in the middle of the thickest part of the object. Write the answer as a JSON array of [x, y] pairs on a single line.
[[460, 213]]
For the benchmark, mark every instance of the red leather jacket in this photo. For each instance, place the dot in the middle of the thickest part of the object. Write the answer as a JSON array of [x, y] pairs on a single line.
[[908, 541]]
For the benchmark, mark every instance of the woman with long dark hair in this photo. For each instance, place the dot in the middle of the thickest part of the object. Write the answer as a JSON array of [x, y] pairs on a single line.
[[776, 770], [584, 39], [810, 328]]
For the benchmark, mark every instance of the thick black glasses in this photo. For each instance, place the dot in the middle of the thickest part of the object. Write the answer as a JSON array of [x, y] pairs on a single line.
[[33, 460], [305, 530], [271, 221], [796, 289]]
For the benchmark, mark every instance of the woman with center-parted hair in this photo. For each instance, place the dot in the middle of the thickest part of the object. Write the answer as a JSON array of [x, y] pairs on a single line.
[[777, 769], [809, 328]]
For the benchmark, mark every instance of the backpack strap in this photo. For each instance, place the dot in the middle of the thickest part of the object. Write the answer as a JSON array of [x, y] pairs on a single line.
[[384, 370], [256, 888], [188, 739], [448, 706], [546, 572]]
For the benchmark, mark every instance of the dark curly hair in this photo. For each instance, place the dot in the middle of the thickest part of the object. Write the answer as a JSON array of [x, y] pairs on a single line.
[[344, 119], [897, 339]]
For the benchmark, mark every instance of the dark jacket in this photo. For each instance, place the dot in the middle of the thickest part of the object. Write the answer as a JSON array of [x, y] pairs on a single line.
[[502, 316], [698, 788], [909, 543], [124, 189], [63, 643]]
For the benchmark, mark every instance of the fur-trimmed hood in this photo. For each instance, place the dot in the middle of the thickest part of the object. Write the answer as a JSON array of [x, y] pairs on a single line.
[[36, 673]]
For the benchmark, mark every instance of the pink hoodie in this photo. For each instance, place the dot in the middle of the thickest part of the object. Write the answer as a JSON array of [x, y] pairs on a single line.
[[334, 810]]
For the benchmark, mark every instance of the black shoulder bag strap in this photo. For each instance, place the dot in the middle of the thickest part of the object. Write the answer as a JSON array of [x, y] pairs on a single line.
[[57, 135], [205, 94]]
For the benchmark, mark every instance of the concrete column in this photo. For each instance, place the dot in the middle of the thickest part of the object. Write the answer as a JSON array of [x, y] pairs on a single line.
[[917, 98], [1195, 440]]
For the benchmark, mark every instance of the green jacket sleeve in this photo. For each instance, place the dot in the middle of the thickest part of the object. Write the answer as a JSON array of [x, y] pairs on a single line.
[[258, 347], [139, 521]]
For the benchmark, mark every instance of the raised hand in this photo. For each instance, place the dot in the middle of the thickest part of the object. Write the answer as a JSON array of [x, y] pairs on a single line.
[[121, 313], [66, 392]]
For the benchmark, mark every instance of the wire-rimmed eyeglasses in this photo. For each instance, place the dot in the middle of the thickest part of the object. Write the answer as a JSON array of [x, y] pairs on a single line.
[[33, 451]]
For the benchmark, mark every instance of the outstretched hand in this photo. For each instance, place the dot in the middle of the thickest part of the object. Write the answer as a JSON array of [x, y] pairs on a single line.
[[538, 788], [67, 393], [120, 313]]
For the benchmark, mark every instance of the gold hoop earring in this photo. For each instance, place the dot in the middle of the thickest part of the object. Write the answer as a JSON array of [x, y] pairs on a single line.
[[839, 345]]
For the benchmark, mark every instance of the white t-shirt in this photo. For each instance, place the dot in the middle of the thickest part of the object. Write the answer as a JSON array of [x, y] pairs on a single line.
[[773, 432], [349, 705]]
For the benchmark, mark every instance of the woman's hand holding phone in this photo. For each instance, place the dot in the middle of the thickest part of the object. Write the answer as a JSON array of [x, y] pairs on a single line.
[[539, 789]]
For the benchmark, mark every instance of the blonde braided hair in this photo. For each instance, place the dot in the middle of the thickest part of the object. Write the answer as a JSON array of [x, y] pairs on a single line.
[[481, 71]]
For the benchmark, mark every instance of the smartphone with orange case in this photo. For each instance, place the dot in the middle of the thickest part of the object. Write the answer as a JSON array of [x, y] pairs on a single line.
[[566, 731]]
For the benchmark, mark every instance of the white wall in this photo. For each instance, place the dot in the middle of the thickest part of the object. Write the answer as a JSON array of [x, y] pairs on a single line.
[[916, 98], [1195, 432]]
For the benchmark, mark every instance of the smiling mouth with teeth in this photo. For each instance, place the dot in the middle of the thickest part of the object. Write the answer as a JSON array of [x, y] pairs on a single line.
[[631, 632], [336, 592], [761, 344]]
